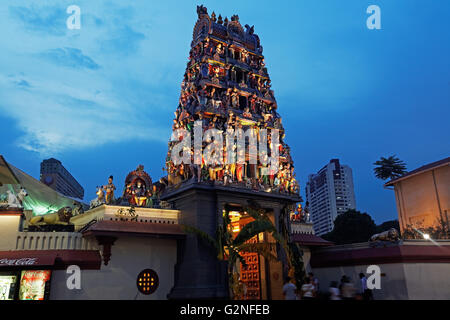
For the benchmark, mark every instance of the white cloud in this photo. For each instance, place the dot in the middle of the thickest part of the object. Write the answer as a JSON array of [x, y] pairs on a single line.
[[68, 93], [56, 118]]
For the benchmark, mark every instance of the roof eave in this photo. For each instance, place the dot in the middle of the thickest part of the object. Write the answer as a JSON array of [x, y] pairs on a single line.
[[392, 182]]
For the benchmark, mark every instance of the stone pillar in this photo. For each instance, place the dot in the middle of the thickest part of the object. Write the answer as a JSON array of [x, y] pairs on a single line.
[[198, 273]]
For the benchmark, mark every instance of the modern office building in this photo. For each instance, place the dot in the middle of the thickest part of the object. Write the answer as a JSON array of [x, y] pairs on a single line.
[[54, 175], [329, 193]]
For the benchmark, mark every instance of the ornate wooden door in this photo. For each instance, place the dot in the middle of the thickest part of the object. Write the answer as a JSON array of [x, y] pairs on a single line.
[[250, 273]]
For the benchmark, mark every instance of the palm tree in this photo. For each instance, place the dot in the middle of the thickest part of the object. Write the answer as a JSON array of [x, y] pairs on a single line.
[[389, 168], [227, 248]]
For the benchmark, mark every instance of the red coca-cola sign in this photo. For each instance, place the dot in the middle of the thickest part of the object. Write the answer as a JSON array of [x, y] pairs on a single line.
[[18, 262]]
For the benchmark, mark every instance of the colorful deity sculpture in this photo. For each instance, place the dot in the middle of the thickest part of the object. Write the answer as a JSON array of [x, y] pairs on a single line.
[[109, 188], [139, 194], [138, 187]]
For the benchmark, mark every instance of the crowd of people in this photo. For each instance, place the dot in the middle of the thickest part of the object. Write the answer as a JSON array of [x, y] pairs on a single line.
[[345, 290]]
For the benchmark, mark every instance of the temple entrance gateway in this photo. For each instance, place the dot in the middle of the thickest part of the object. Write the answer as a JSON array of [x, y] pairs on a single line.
[[198, 273], [249, 273]]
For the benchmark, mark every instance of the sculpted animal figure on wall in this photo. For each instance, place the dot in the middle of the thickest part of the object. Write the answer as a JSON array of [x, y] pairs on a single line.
[[62, 216], [15, 200], [99, 200], [389, 235]]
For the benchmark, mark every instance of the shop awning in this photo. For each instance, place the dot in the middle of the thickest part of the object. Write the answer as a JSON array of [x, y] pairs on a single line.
[[50, 259], [26, 259]]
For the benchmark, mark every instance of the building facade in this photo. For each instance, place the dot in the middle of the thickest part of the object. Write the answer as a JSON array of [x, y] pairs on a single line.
[[112, 245], [226, 87], [54, 175], [110, 254], [423, 196], [410, 269], [402, 270], [329, 193], [126, 250]]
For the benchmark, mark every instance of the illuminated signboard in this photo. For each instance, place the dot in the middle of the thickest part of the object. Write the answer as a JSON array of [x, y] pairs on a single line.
[[7, 285], [147, 281], [33, 284]]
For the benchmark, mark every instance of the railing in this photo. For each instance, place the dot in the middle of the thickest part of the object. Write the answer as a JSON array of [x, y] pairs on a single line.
[[53, 241], [302, 227]]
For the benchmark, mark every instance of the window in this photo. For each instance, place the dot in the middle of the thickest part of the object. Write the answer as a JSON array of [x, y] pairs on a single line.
[[147, 281]]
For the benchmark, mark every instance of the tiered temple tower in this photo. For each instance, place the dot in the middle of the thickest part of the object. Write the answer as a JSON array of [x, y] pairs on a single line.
[[226, 86]]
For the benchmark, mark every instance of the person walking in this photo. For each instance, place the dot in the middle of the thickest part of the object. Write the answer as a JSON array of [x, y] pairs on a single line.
[[308, 291], [347, 289], [289, 290], [315, 281], [366, 293], [335, 293]]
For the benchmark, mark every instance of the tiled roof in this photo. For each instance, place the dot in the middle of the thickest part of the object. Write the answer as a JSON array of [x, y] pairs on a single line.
[[310, 240]]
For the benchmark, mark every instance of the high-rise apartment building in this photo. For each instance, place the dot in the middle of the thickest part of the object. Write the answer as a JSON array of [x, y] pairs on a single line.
[[54, 175], [329, 193]]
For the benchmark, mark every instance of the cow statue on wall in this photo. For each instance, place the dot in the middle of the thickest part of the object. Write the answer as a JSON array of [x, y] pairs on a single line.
[[15, 200], [100, 198]]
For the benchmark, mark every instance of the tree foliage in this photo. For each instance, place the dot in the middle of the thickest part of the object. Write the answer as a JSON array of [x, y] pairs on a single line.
[[351, 227], [389, 168], [388, 225]]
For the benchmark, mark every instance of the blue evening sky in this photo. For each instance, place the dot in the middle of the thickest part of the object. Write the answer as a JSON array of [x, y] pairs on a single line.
[[101, 99]]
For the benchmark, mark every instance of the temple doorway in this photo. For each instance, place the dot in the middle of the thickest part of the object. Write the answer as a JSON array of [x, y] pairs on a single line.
[[250, 272]]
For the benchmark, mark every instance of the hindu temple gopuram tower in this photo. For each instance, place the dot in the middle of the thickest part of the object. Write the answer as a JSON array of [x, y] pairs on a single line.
[[226, 86]]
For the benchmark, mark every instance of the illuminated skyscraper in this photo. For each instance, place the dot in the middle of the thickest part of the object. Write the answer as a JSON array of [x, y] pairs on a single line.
[[330, 193]]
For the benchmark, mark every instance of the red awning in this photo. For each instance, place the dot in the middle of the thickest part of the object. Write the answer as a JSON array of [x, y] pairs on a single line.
[[51, 259], [310, 240], [25, 259]]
